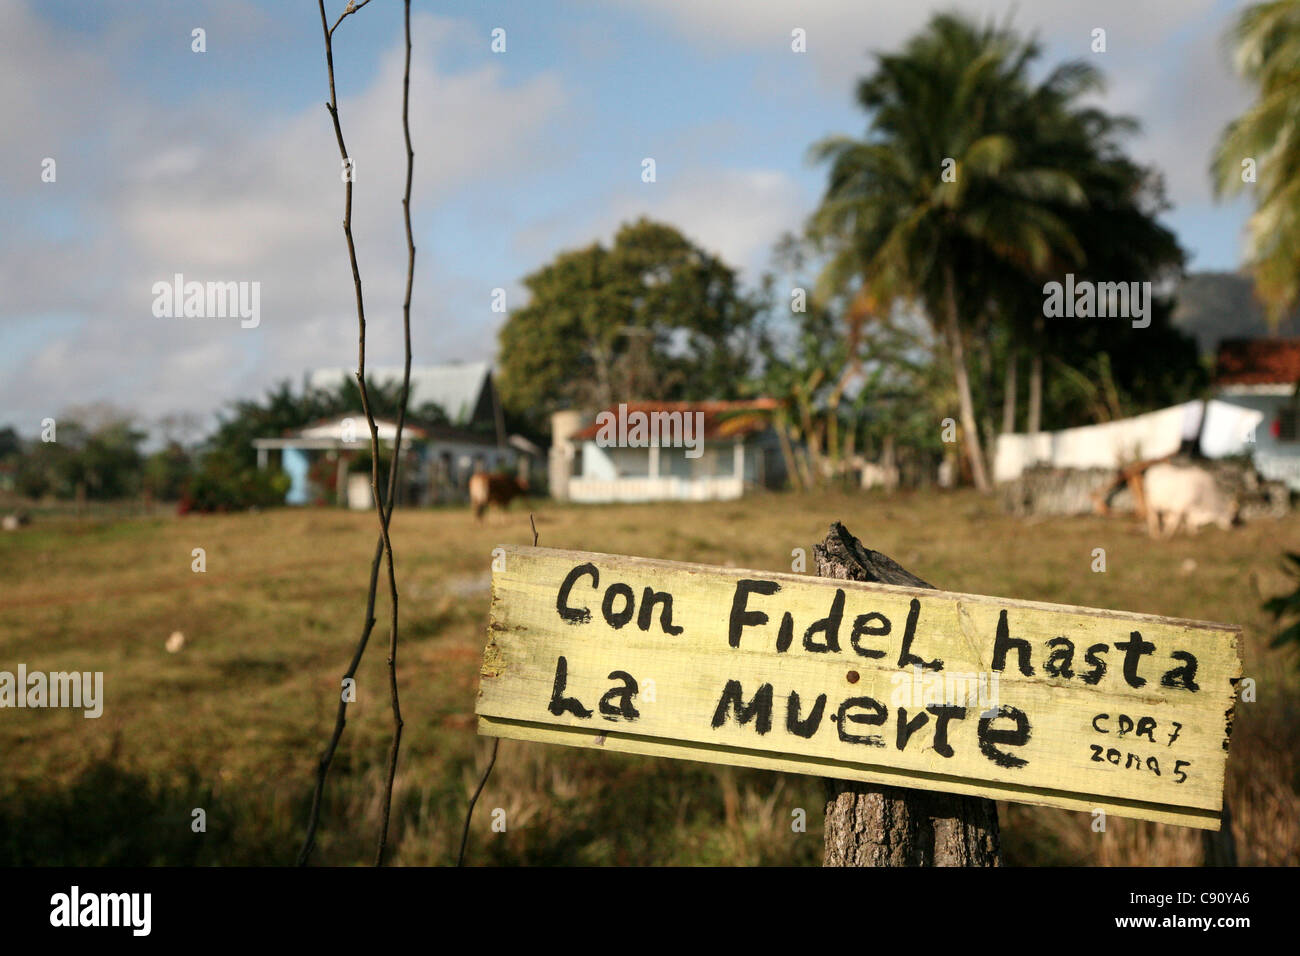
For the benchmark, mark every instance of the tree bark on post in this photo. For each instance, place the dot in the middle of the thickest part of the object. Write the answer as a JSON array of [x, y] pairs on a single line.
[[1009, 393], [1219, 847], [878, 825], [1034, 424], [970, 430]]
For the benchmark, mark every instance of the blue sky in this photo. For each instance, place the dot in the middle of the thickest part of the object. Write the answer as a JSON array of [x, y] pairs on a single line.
[[221, 165]]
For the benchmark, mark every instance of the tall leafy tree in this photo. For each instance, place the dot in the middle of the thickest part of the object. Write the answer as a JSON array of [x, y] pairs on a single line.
[[1119, 239], [653, 316], [940, 187], [102, 460], [1262, 147], [852, 376], [1034, 184]]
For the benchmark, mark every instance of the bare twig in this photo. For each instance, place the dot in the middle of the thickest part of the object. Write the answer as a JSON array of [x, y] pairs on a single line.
[[353, 7], [383, 506], [487, 772], [397, 446], [469, 814]]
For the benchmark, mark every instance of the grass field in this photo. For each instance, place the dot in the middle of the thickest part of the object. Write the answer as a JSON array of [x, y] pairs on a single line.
[[235, 721]]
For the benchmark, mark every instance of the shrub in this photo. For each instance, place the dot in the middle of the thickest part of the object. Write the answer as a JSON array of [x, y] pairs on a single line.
[[224, 484], [1287, 606]]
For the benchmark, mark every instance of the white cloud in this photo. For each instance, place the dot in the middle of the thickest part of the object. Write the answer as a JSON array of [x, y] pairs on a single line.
[[736, 214], [240, 194], [220, 187], [1163, 61], [839, 32]]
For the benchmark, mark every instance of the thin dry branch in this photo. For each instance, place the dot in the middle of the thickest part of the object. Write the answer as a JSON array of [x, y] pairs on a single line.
[[383, 506], [469, 813], [387, 506], [492, 761], [353, 7]]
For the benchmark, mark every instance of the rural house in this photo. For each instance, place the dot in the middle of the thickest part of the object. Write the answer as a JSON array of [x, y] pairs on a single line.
[[326, 461], [1215, 428], [465, 391], [1254, 412], [1263, 375], [665, 451]]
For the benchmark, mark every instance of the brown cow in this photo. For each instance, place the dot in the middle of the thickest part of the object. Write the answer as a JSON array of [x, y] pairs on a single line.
[[499, 490]]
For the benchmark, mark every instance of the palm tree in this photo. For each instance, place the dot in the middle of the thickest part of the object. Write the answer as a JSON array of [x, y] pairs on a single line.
[[1117, 229], [941, 190], [1267, 137]]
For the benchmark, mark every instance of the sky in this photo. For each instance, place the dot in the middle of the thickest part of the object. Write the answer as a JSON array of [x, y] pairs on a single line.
[[221, 165]]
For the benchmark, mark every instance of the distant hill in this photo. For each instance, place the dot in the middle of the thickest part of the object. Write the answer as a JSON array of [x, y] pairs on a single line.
[[1213, 306]]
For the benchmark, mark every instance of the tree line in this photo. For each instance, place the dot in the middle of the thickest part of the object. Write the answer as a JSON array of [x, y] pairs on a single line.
[[908, 309], [100, 453], [915, 293]]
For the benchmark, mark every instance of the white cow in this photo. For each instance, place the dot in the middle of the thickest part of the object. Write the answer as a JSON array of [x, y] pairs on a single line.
[[878, 476], [12, 522], [1185, 495]]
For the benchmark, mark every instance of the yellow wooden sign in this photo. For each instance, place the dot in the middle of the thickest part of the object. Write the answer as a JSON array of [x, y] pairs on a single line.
[[1012, 700]]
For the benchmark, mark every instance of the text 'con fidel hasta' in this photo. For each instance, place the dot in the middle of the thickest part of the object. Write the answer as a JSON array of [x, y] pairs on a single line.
[[755, 615]]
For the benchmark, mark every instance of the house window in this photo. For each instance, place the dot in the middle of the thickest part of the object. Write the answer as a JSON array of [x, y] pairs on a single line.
[[673, 463], [724, 461], [631, 462], [1288, 424]]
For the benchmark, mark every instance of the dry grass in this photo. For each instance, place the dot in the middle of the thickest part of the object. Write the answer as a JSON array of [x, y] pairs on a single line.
[[234, 722]]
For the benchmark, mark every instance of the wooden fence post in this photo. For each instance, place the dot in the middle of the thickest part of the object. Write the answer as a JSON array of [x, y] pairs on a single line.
[[1219, 847], [878, 825]]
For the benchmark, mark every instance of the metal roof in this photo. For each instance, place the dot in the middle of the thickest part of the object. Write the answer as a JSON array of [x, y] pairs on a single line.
[[456, 388]]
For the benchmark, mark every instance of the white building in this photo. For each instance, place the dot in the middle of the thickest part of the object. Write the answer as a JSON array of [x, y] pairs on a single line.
[[437, 461], [1263, 377], [435, 465], [1254, 412], [725, 449]]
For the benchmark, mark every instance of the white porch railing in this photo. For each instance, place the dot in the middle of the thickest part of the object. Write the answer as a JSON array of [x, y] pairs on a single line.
[[716, 488]]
